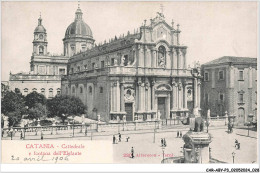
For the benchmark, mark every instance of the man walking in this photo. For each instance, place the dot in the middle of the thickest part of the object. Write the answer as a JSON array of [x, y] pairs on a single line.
[[162, 142], [180, 134], [114, 139], [119, 137], [132, 153], [177, 134], [86, 131]]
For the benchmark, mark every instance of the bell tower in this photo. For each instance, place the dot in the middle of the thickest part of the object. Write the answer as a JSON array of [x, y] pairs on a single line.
[[40, 39]]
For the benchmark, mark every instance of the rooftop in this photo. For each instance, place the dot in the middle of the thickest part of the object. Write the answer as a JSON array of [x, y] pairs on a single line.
[[232, 59]]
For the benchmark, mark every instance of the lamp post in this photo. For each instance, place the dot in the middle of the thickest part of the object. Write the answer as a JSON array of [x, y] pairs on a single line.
[[163, 153], [154, 135], [11, 131], [233, 155], [73, 126]]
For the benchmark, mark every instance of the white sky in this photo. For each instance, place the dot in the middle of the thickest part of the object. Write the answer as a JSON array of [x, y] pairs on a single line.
[[209, 29]]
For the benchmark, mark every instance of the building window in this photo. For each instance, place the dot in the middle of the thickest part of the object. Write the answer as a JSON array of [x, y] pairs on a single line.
[[78, 68], [62, 71], [102, 64], [112, 61], [42, 70], [101, 89], [241, 98], [221, 97], [41, 49], [73, 50], [50, 93], [241, 75], [58, 91], [90, 89], [221, 75], [72, 70], [93, 66], [86, 67], [81, 90], [206, 76], [73, 90], [43, 91], [34, 90], [83, 48], [25, 91]]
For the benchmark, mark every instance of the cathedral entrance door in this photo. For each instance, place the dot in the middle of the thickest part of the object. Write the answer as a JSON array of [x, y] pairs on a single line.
[[129, 111], [162, 107]]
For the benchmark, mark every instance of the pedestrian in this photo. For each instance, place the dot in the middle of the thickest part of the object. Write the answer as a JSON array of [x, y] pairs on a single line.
[[86, 131], [114, 139], [181, 134], [132, 153], [127, 138], [41, 135], [119, 137], [177, 134], [21, 137], [162, 142]]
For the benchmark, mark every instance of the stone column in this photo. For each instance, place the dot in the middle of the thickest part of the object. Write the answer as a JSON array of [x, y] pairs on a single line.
[[114, 96], [117, 97], [198, 95], [185, 96], [168, 109], [153, 96], [174, 96], [122, 98], [195, 92], [139, 94], [142, 96], [180, 93]]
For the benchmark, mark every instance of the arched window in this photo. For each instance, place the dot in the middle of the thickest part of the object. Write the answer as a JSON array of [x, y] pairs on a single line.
[[50, 93], [81, 90], [43, 91], [58, 91], [101, 89], [34, 90], [90, 89], [25, 91], [41, 50], [161, 56]]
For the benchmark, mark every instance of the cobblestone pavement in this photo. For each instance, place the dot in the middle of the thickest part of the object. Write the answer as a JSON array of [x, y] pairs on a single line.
[[222, 144]]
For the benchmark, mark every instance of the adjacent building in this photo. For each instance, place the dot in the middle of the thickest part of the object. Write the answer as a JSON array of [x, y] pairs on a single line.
[[138, 76], [45, 69], [230, 84]]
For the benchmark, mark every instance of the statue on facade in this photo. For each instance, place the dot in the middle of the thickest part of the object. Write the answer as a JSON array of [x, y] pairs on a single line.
[[161, 61], [123, 60], [159, 115], [115, 62]]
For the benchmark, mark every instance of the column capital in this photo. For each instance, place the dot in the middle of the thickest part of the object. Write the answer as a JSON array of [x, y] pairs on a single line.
[[114, 83]]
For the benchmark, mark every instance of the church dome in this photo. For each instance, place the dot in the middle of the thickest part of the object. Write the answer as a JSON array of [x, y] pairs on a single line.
[[40, 27], [78, 27]]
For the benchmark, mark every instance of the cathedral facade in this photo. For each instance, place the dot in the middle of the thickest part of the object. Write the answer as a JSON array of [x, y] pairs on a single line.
[[139, 76]]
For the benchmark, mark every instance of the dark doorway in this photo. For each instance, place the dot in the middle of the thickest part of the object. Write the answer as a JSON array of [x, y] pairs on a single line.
[[161, 107], [129, 111]]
